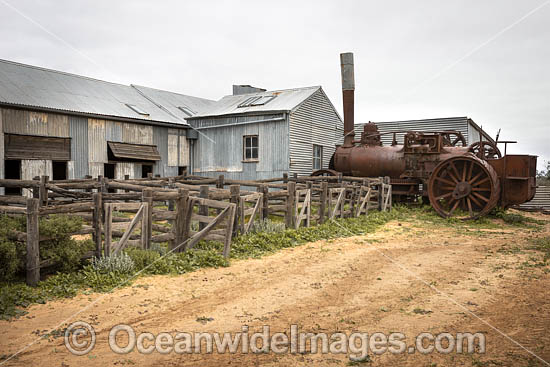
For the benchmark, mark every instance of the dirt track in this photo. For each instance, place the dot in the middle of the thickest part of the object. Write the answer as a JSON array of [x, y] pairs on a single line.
[[345, 285]]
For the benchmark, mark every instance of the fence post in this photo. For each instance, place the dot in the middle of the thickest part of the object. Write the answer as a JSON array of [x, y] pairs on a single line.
[[96, 223], [235, 195], [43, 192], [88, 177], [35, 190], [147, 219], [221, 182], [126, 178], [380, 193], [289, 215], [285, 177], [33, 241], [323, 204], [181, 214], [387, 179], [108, 229], [203, 209]]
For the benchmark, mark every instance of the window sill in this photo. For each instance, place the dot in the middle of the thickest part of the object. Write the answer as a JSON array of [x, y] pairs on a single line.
[[250, 161]]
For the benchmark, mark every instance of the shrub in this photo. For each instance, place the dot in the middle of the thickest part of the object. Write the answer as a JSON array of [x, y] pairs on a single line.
[[121, 263]]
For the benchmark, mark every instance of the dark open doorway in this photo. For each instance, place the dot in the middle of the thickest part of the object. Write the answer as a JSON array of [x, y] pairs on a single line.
[[145, 170], [13, 171], [182, 171], [59, 170], [109, 172]]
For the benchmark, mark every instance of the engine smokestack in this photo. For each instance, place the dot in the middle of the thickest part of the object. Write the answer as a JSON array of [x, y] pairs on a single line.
[[348, 88]]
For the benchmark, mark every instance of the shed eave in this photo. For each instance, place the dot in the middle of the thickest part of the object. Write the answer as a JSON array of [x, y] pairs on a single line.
[[246, 113], [94, 115]]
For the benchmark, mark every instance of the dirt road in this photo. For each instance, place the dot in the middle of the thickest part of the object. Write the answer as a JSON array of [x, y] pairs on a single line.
[[407, 277]]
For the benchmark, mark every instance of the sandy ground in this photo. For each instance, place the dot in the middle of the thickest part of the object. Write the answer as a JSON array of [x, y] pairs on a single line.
[[406, 277]]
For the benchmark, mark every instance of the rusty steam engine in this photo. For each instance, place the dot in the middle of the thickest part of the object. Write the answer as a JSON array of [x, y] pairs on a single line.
[[460, 180]]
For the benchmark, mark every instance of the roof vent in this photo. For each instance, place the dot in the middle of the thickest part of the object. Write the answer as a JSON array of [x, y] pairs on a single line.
[[136, 109], [189, 112]]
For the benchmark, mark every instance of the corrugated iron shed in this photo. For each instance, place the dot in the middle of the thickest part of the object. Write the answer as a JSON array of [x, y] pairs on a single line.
[[463, 124], [34, 87]]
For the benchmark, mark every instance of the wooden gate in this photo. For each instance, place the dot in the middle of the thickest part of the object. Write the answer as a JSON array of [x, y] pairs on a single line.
[[256, 200], [208, 232], [142, 210], [365, 201], [336, 208], [302, 208]]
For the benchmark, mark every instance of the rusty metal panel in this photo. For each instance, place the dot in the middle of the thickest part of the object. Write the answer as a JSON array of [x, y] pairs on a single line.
[[78, 131], [137, 134], [97, 144], [35, 123]]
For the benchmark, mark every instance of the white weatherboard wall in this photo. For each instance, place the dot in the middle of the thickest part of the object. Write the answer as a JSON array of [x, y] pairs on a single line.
[[313, 122]]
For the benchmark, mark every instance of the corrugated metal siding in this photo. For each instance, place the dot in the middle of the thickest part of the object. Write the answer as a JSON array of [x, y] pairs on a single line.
[[540, 201], [314, 122], [183, 151], [95, 169], [452, 123], [113, 131], [124, 168], [31, 168], [172, 150], [78, 131], [220, 150], [160, 139], [97, 144], [35, 123], [137, 134]]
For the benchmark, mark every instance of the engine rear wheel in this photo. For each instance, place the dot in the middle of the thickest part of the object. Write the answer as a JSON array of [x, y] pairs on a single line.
[[464, 187]]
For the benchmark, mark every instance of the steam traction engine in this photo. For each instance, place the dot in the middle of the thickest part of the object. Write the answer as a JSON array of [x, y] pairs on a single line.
[[460, 180]]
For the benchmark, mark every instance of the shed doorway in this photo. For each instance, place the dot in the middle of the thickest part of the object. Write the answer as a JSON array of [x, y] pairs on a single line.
[[13, 172]]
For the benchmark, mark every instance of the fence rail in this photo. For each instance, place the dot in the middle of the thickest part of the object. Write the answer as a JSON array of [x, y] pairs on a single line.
[[183, 210]]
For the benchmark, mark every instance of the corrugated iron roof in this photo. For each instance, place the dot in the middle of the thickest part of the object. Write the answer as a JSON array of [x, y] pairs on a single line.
[[26, 85], [285, 100]]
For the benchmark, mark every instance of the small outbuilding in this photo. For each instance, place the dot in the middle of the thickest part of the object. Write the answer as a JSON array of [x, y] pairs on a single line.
[[259, 134]]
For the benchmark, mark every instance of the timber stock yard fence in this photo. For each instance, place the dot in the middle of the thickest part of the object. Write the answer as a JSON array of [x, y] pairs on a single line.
[[183, 210]]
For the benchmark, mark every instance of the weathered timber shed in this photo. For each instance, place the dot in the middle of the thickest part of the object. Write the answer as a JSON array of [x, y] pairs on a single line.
[[266, 133], [68, 126], [469, 129]]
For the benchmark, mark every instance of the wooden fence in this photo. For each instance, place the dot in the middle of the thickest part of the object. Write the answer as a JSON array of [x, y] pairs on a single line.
[[184, 210]]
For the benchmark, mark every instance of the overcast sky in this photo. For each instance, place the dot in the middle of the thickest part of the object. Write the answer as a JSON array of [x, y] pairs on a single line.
[[413, 59]]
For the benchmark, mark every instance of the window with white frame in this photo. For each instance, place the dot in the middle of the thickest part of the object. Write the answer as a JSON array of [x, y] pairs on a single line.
[[250, 148], [317, 156]]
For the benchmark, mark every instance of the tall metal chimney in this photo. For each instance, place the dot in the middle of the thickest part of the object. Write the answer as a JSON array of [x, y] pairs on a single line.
[[348, 89]]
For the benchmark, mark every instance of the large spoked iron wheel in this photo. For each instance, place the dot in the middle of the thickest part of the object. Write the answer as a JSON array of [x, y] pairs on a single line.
[[490, 150], [464, 187]]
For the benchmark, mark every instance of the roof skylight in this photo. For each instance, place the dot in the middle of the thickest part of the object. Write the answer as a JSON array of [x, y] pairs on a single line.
[[186, 110], [256, 101], [136, 109]]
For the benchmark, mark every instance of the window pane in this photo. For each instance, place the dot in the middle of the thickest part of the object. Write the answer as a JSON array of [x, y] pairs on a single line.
[[248, 153], [254, 141], [255, 152]]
